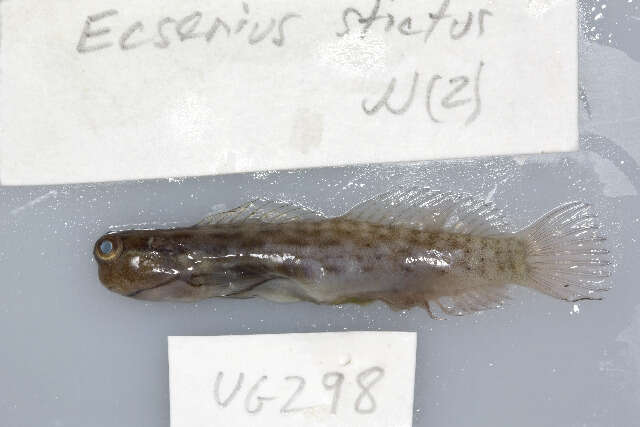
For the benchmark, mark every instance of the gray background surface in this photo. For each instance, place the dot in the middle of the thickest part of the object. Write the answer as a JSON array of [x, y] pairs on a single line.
[[73, 354]]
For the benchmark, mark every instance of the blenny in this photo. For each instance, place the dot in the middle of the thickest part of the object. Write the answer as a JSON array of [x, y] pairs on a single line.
[[410, 247]]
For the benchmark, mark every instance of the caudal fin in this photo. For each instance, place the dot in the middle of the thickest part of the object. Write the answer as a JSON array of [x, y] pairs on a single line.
[[566, 257]]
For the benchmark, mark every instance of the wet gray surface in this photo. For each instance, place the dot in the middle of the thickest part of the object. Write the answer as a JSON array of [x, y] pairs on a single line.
[[73, 354]]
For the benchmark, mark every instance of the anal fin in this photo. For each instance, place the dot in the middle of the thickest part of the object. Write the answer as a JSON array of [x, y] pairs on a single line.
[[476, 299], [485, 296], [399, 301]]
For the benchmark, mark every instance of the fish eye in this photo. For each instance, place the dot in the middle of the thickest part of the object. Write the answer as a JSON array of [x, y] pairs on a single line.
[[108, 248]]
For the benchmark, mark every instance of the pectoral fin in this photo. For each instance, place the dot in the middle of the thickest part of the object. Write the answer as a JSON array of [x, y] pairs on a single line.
[[222, 285]]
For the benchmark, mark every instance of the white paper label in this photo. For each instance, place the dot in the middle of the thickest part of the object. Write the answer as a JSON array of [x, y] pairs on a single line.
[[325, 379], [100, 90]]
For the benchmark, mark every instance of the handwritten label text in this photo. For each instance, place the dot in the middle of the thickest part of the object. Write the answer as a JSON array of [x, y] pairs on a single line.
[[359, 379], [131, 89]]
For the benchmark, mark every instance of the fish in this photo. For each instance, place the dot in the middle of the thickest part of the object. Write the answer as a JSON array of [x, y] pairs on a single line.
[[449, 253]]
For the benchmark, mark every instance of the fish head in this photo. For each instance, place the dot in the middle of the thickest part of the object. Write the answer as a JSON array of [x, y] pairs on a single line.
[[129, 263]]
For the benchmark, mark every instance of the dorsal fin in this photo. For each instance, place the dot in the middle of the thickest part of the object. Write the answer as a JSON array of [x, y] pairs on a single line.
[[426, 209], [261, 210]]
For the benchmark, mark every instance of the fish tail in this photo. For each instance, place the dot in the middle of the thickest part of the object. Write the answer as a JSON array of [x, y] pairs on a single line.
[[565, 257]]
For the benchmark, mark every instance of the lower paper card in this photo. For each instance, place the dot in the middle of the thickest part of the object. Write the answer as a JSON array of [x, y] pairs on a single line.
[[320, 379]]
